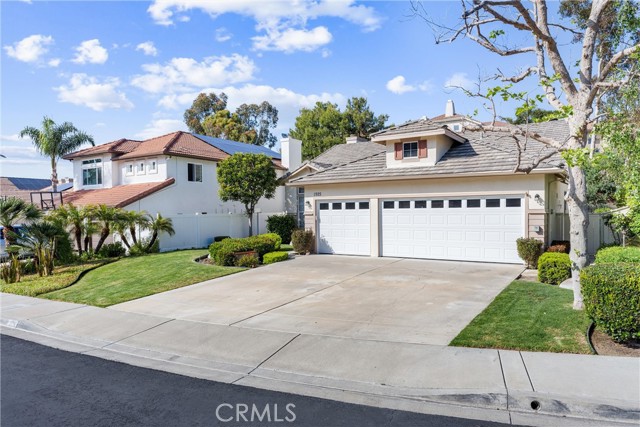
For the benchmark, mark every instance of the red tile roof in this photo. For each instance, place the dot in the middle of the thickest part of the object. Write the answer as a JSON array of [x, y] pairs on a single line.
[[118, 197]]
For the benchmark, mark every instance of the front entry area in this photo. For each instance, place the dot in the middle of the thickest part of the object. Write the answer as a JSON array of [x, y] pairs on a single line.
[[344, 227], [463, 229]]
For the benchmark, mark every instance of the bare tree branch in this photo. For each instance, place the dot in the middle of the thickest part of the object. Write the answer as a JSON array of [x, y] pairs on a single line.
[[615, 59]]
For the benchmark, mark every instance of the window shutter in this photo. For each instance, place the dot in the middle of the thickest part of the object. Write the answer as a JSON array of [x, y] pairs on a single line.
[[398, 148], [422, 149]]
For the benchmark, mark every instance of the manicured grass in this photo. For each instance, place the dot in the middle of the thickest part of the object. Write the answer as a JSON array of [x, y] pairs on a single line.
[[529, 316], [137, 277], [33, 285]]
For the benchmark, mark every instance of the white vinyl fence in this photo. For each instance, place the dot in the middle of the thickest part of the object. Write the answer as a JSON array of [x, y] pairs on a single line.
[[598, 234]]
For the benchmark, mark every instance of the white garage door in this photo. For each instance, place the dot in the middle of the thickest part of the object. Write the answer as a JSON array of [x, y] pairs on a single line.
[[344, 227], [465, 229]]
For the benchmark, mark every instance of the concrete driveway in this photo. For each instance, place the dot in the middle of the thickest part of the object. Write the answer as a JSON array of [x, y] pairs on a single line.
[[386, 299]]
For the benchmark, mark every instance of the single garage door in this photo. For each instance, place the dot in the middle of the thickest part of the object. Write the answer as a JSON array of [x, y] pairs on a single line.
[[465, 229], [344, 227]]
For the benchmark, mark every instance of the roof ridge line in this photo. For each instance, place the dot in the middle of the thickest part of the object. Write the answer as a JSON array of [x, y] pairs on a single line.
[[172, 141]]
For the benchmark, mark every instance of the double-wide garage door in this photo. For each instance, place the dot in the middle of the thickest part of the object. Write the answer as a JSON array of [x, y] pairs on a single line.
[[469, 229], [466, 229]]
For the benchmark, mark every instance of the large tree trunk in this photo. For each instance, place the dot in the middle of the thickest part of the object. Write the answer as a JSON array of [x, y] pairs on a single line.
[[78, 234], [579, 222]]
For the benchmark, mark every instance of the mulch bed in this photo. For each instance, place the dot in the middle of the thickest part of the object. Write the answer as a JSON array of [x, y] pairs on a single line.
[[605, 346]]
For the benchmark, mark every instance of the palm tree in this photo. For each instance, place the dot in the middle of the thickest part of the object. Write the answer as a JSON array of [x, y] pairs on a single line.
[[55, 141], [135, 220], [40, 239], [12, 211], [74, 218], [105, 216], [158, 225]]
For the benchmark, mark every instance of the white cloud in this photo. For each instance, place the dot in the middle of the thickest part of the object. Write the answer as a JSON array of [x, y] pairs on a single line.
[[186, 74], [458, 80], [399, 86], [223, 35], [91, 52], [279, 20], [13, 137], [30, 49], [93, 93], [159, 127], [54, 62], [326, 53], [148, 48], [291, 40]]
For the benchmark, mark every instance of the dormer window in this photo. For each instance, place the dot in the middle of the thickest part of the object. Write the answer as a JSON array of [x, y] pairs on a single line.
[[410, 150]]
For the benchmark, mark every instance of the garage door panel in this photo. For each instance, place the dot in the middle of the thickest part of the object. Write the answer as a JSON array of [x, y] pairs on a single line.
[[344, 227], [459, 232]]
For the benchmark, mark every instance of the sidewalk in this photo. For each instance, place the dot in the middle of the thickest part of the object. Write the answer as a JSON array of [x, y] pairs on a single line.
[[493, 385]]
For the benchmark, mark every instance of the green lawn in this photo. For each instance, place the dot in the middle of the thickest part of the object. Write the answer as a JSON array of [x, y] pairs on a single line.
[[33, 285], [529, 316], [137, 277]]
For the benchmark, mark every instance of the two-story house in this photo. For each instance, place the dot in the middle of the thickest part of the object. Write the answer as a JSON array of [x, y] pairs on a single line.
[[175, 175], [431, 189]]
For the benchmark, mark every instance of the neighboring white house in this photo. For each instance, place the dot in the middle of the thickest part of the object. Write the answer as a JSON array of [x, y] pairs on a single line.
[[175, 175], [423, 190]]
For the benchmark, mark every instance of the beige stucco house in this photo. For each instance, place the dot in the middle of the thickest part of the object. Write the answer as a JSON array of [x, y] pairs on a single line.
[[423, 190]]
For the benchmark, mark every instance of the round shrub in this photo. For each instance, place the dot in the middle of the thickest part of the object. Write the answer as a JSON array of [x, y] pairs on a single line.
[[222, 252], [272, 257], [611, 295], [618, 254], [282, 225], [64, 249], [249, 261], [302, 241], [112, 250], [529, 250], [554, 268]]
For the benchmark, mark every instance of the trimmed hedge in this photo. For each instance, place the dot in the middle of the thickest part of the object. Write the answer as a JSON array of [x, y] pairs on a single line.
[[272, 257], [112, 250], [529, 250], [248, 261], [618, 254], [222, 252], [611, 295], [282, 225], [554, 268], [302, 241]]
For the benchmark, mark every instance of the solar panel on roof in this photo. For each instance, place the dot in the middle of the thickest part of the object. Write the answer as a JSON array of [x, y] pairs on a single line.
[[29, 183], [232, 147]]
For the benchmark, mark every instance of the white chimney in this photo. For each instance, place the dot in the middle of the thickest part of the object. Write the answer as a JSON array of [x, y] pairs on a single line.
[[291, 152], [353, 139], [450, 110]]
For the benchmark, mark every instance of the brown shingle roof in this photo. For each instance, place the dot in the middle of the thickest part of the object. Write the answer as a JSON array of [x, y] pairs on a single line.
[[118, 197]]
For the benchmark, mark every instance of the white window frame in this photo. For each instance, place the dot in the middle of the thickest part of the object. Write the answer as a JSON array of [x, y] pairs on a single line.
[[151, 164], [129, 169], [140, 168], [92, 164], [195, 172], [404, 150]]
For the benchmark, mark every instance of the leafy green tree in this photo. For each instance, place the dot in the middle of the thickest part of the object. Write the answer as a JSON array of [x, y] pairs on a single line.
[[533, 115], [258, 121], [323, 126], [224, 124], [203, 106], [158, 225], [55, 141], [14, 210], [246, 178], [360, 120]]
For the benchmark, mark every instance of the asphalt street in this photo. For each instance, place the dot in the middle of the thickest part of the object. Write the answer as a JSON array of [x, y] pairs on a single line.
[[42, 386]]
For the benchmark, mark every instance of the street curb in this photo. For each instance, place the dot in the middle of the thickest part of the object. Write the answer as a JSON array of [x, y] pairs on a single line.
[[487, 405]]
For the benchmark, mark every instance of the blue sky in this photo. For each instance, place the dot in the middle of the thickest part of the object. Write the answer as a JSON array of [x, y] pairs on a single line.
[[129, 69]]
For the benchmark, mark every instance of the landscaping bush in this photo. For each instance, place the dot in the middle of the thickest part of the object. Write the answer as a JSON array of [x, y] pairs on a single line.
[[529, 250], [272, 257], [112, 250], [611, 295], [618, 254], [64, 249], [554, 268], [220, 238], [249, 261], [282, 225], [302, 241], [222, 252]]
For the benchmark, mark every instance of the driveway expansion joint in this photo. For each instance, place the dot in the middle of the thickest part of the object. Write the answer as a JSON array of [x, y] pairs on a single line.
[[527, 371]]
